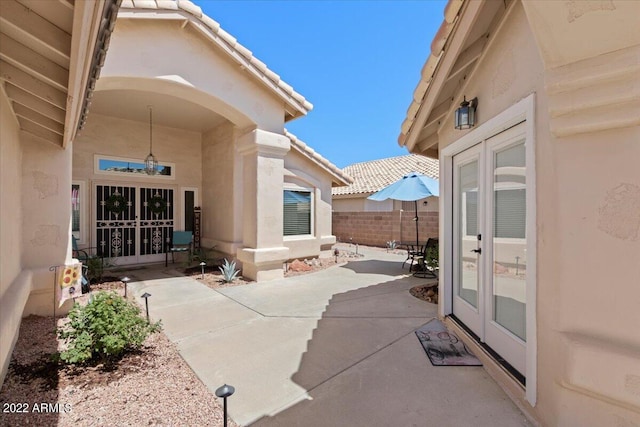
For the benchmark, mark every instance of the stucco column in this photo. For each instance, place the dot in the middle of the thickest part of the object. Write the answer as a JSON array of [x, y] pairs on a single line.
[[263, 168]]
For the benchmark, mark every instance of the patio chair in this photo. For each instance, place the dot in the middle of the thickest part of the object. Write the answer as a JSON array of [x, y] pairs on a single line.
[[413, 251], [425, 271], [180, 242], [79, 254]]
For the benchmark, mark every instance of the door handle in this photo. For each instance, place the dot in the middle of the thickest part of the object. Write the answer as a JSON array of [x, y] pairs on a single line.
[[478, 251]]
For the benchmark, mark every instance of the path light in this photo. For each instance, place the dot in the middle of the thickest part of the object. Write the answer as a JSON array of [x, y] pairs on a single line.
[[202, 264], [336, 252], [125, 280], [224, 392], [146, 296]]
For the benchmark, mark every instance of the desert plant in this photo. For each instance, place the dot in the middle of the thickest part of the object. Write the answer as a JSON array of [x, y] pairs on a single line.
[[107, 327], [431, 257], [391, 245], [228, 271]]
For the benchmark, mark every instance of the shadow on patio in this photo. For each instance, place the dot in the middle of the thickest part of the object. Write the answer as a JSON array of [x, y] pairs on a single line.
[[364, 366]]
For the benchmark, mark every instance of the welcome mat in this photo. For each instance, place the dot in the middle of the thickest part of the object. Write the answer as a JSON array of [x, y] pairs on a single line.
[[444, 348]]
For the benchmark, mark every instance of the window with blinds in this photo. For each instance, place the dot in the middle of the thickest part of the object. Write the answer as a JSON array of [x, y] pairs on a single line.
[[509, 219], [297, 212]]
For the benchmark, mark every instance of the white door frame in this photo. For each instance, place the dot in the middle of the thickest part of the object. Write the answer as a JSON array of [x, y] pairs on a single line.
[[519, 112]]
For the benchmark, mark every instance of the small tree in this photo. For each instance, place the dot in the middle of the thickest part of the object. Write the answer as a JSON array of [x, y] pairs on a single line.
[[107, 327]]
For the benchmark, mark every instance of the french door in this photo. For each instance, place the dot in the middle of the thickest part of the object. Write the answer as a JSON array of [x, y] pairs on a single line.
[[489, 243], [132, 223]]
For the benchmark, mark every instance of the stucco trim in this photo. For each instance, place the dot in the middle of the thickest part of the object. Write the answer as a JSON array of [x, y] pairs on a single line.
[[155, 9]]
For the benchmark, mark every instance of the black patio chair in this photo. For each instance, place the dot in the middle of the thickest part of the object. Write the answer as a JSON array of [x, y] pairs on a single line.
[[422, 269]]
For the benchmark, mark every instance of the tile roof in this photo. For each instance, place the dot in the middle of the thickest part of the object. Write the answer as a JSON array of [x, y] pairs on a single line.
[[438, 45], [236, 51], [340, 177], [369, 177]]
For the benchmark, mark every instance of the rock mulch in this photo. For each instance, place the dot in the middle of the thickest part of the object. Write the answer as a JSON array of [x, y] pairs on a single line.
[[153, 386]]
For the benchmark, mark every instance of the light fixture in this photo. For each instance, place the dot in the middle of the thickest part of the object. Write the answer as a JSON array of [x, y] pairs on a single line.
[[466, 114], [150, 163]]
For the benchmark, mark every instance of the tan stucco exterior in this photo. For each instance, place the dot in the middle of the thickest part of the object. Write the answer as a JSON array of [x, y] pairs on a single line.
[[41, 110], [219, 122], [579, 62]]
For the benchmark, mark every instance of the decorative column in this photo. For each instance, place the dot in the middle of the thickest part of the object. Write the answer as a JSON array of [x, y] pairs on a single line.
[[263, 175]]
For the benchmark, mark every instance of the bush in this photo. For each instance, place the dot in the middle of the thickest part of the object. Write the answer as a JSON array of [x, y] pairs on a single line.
[[432, 257], [107, 327]]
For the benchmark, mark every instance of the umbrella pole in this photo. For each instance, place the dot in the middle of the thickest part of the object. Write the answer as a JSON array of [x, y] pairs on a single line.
[[416, 220]]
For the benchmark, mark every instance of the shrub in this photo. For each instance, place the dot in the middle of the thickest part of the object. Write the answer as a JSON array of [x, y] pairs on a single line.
[[107, 327], [432, 257], [228, 271]]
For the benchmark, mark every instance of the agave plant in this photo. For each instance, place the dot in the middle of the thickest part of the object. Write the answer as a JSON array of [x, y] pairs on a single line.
[[392, 245], [228, 271]]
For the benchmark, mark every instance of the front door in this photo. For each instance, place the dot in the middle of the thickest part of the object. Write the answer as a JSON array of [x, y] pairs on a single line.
[[133, 223], [489, 243]]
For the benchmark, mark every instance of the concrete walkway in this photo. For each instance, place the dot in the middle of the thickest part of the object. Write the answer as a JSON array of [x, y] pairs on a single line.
[[330, 348]]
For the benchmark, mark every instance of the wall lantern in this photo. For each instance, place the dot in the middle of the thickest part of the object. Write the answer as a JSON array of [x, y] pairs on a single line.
[[466, 114], [150, 163]]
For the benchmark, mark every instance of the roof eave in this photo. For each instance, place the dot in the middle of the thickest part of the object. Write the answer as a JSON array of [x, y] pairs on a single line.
[[295, 104], [445, 48]]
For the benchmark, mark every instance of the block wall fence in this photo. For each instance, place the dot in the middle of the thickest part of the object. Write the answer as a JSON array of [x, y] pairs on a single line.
[[378, 228]]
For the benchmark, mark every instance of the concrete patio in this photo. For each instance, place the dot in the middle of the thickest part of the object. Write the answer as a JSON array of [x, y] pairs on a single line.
[[334, 347]]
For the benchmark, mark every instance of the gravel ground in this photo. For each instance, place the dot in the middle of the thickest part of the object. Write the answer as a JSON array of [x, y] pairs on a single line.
[[151, 387]]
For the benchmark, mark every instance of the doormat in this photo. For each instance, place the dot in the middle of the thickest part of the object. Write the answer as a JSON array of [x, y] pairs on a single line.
[[444, 348]]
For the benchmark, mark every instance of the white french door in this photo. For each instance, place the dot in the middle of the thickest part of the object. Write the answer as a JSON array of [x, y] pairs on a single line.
[[489, 243], [132, 224]]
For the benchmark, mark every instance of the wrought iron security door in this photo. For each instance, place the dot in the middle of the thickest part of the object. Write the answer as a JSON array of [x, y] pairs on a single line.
[[133, 224], [156, 220]]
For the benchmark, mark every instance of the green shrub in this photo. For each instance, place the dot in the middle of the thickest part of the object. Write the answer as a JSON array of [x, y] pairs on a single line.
[[432, 257], [106, 328]]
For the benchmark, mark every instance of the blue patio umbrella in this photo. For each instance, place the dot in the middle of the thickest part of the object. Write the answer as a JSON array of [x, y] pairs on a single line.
[[411, 188]]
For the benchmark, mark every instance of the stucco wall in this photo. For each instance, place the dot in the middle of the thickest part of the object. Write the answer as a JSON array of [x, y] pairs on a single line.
[[222, 190], [300, 172], [361, 204], [588, 243], [111, 136], [46, 216], [162, 51], [14, 285]]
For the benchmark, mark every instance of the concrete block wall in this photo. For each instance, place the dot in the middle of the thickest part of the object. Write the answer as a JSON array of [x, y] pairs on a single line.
[[378, 228]]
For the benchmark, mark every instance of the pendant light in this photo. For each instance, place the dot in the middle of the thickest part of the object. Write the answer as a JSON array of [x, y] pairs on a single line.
[[151, 163]]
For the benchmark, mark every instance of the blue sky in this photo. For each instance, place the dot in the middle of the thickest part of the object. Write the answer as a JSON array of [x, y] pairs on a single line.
[[357, 62]]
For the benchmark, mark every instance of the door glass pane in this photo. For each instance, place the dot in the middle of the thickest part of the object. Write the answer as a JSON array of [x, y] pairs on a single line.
[[509, 239], [468, 226], [75, 210], [189, 197]]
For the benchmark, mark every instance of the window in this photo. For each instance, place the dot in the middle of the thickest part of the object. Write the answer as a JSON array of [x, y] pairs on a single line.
[[121, 166], [297, 212], [509, 219], [77, 210]]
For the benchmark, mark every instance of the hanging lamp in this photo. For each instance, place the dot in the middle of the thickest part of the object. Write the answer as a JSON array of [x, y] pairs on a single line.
[[151, 163]]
